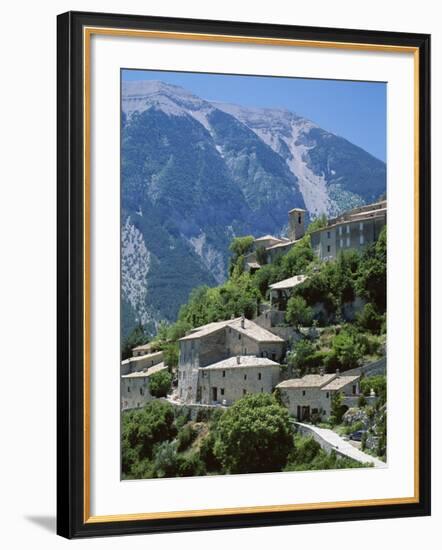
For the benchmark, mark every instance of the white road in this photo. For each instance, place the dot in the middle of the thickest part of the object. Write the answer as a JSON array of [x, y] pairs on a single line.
[[330, 440]]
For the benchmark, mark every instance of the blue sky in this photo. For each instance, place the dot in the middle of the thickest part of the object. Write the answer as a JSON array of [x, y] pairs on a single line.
[[353, 110]]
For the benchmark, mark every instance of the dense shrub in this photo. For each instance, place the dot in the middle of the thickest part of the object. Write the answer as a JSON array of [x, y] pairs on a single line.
[[137, 337], [308, 455], [253, 435], [207, 455], [186, 436], [346, 351], [379, 385], [166, 461], [159, 383], [142, 429], [369, 319], [298, 312], [191, 465]]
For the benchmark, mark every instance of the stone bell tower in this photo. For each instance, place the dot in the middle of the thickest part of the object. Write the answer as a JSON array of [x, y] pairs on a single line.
[[296, 224]]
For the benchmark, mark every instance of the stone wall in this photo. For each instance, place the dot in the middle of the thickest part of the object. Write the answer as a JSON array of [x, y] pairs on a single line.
[[314, 398], [196, 353], [234, 383], [370, 369], [135, 392]]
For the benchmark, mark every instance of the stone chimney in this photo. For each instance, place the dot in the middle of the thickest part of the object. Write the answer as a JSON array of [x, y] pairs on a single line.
[[242, 321], [338, 372], [296, 224], [238, 359], [321, 371]]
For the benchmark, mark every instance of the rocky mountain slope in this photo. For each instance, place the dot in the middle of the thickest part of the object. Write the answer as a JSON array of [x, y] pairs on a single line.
[[196, 173]]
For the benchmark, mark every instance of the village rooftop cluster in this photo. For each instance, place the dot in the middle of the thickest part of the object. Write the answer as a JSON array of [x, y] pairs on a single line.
[[221, 362]]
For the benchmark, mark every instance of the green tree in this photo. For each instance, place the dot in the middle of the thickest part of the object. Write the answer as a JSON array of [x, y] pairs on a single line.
[[191, 465], [308, 455], [379, 385], [318, 223], [298, 312], [372, 275], [298, 356], [369, 319], [171, 354], [297, 259], [337, 408], [239, 247], [159, 383], [186, 436], [263, 278], [235, 297], [346, 350], [254, 435], [166, 462], [261, 255], [142, 429], [137, 337], [207, 454]]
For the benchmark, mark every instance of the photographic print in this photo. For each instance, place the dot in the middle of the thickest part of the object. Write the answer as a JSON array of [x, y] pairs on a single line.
[[253, 274], [228, 288]]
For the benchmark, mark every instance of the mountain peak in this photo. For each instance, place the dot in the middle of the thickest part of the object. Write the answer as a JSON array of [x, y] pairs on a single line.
[[140, 95]]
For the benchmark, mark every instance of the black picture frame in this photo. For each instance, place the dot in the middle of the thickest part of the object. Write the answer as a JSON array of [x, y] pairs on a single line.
[[71, 520]]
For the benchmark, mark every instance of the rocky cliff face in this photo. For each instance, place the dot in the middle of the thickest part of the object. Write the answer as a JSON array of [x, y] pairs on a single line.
[[197, 173]]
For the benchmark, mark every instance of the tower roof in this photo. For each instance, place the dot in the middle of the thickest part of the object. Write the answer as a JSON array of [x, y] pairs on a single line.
[[297, 210]]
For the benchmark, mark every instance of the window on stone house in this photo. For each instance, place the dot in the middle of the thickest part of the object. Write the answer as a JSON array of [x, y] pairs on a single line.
[[361, 238], [273, 356], [299, 218], [262, 390], [245, 377], [141, 391], [224, 373], [222, 391], [244, 392], [327, 395], [259, 376], [348, 229], [328, 234], [239, 336], [348, 241], [328, 248], [341, 242], [303, 392], [340, 230], [128, 389], [354, 390]]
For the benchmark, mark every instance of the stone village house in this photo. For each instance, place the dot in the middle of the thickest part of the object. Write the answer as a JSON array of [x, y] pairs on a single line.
[[244, 344], [222, 361], [351, 230], [135, 374], [311, 396]]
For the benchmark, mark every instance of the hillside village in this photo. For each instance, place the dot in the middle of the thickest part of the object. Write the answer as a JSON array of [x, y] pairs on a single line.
[[318, 349]]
